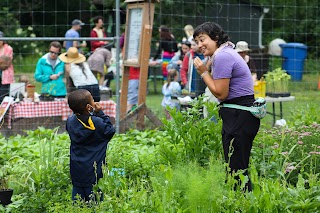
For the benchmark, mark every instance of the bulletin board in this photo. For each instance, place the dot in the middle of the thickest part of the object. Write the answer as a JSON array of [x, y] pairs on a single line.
[[137, 42]]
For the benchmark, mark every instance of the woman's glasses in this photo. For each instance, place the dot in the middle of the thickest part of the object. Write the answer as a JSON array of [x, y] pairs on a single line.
[[54, 53]]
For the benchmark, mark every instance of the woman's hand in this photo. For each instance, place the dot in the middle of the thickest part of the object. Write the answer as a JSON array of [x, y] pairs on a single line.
[[199, 65], [54, 76]]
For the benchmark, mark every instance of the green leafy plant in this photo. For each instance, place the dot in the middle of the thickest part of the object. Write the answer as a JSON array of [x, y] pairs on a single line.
[[285, 153], [277, 81], [200, 137], [4, 177], [136, 152]]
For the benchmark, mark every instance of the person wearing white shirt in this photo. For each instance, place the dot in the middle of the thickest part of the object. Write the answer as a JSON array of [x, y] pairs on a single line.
[[79, 71]]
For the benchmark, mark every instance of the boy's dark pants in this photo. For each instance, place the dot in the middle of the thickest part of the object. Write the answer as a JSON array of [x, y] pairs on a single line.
[[84, 193], [238, 132]]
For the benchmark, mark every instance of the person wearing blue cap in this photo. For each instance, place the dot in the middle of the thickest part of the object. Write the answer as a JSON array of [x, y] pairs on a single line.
[[73, 33]]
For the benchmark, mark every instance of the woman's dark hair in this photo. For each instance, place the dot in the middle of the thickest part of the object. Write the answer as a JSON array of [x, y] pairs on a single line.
[[82, 68], [187, 43], [96, 19], [214, 31], [165, 33]]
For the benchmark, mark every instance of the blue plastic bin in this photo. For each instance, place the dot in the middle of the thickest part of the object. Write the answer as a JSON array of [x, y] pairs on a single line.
[[294, 55]]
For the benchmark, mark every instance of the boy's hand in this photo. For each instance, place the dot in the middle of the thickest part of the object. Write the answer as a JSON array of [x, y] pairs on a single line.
[[97, 107]]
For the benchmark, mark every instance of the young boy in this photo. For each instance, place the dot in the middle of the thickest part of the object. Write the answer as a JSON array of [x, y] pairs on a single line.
[[89, 130]]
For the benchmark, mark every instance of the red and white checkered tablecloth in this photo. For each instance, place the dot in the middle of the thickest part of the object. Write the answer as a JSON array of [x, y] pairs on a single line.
[[108, 107], [35, 109], [51, 108]]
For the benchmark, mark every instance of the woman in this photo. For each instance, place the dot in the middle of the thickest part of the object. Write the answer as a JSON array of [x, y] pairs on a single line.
[[79, 72], [189, 77], [243, 49], [98, 61], [168, 47], [230, 83], [176, 61], [7, 74]]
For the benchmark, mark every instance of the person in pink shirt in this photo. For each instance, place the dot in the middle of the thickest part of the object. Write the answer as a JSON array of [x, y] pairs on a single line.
[[7, 75]]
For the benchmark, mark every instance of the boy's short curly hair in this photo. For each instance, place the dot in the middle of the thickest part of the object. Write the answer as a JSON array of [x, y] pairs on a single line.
[[78, 100]]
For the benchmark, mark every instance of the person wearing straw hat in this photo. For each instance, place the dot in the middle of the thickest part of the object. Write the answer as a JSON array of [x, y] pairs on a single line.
[[243, 49], [78, 69], [50, 72]]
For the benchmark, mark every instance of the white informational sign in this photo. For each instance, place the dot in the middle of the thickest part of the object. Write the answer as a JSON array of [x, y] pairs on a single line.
[[133, 35]]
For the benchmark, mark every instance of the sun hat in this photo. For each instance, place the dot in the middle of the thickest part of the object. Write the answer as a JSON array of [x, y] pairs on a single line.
[[77, 22], [242, 46], [72, 56]]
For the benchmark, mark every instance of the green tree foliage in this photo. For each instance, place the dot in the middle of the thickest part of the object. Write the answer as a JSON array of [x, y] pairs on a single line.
[[291, 20]]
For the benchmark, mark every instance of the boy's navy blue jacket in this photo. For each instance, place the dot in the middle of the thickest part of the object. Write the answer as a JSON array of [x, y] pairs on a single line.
[[89, 137]]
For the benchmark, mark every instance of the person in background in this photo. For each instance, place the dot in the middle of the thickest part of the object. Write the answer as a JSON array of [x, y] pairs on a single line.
[[7, 71], [169, 89], [167, 46], [176, 61], [90, 131], [98, 61], [133, 88], [73, 33], [50, 72], [78, 69], [98, 32], [190, 80], [231, 83], [188, 29], [243, 49], [5, 62]]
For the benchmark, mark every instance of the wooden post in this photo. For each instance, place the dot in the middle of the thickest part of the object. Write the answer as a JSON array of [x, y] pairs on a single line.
[[124, 92], [144, 66]]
